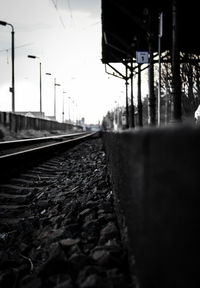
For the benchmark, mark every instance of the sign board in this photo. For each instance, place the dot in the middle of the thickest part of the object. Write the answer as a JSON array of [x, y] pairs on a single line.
[[123, 120], [142, 57]]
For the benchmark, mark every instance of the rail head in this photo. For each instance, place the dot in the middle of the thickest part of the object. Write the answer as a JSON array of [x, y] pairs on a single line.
[[81, 136], [16, 162], [37, 140]]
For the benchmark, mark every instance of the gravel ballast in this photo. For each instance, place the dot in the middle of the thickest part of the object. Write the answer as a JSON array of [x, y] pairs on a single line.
[[69, 236]]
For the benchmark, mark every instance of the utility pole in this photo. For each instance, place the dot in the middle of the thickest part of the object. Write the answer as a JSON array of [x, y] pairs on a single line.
[[132, 103], [40, 88], [159, 65], [152, 99], [13, 68], [12, 89], [55, 84], [140, 122], [63, 107], [40, 73], [127, 108], [176, 79]]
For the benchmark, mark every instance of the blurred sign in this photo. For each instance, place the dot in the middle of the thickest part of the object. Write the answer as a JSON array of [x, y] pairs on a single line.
[[123, 120], [142, 57]]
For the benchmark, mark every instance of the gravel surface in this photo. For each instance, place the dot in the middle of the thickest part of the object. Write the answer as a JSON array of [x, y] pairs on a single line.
[[67, 233]]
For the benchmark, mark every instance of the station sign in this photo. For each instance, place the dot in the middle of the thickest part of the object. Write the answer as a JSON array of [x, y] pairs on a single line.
[[142, 57]]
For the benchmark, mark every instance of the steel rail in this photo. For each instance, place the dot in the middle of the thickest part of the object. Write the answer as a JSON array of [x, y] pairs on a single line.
[[14, 163], [29, 141]]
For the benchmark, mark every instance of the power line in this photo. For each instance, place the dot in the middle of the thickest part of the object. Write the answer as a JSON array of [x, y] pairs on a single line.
[[60, 18], [17, 47], [70, 10]]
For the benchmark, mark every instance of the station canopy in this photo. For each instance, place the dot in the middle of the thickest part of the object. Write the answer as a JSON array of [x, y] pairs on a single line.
[[127, 26]]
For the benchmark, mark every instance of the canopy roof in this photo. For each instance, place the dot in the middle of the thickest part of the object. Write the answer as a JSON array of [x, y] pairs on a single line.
[[128, 24]]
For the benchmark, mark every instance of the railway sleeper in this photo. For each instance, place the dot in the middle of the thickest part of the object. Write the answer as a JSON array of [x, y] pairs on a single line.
[[67, 235]]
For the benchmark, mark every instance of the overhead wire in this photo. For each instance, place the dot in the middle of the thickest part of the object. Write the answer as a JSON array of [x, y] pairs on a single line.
[[17, 47], [57, 10], [70, 10]]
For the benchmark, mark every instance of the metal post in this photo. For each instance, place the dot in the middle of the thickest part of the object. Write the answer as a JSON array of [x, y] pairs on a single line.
[[41, 88], [63, 107], [152, 99], [176, 79], [132, 104], [55, 84], [13, 69], [127, 111], [40, 68], [69, 108], [63, 110], [140, 121], [55, 98], [12, 89], [159, 66], [73, 112]]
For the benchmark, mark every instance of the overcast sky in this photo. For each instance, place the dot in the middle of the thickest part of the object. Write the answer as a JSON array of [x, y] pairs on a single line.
[[66, 36]]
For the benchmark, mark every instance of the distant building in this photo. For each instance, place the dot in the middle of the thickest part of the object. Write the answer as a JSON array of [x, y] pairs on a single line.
[[93, 127]]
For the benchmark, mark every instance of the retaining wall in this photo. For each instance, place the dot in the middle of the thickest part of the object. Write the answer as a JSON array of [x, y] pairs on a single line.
[[16, 122], [156, 177]]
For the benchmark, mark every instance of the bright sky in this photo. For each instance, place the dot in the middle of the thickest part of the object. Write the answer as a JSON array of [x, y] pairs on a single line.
[[66, 36]]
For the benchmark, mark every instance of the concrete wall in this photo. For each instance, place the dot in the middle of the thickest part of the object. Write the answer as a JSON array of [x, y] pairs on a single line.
[[16, 122], [156, 177]]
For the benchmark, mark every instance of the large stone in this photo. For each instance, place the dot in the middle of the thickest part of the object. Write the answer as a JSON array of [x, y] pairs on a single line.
[[94, 281], [107, 257], [109, 232], [68, 242]]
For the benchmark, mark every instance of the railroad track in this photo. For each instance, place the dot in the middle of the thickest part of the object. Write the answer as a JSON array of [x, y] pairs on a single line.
[[23, 177], [24, 173], [18, 197], [9, 146], [26, 202], [55, 220], [16, 156]]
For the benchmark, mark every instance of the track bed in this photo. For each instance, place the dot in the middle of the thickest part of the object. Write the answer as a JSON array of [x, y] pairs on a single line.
[[58, 226]]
